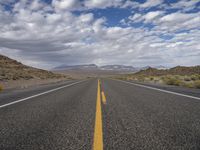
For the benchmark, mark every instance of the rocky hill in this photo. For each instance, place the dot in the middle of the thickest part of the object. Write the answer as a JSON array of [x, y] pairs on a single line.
[[13, 70], [179, 70], [179, 76]]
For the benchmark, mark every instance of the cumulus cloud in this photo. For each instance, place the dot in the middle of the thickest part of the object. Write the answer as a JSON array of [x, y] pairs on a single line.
[[178, 17], [148, 17], [136, 17], [185, 5], [66, 4], [152, 15], [179, 21], [46, 35], [102, 3], [6, 1], [151, 3], [87, 17]]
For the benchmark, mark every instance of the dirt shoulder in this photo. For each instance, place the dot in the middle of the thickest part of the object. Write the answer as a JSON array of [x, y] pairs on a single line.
[[21, 84]]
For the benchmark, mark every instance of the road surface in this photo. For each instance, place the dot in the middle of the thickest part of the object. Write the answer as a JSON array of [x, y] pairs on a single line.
[[100, 114]]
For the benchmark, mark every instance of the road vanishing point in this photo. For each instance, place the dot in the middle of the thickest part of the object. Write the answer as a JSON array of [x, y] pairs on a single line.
[[100, 114]]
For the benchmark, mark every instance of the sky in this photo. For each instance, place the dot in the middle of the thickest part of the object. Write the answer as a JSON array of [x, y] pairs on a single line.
[[49, 33]]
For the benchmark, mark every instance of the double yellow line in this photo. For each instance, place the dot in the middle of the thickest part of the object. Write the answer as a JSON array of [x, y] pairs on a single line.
[[98, 130]]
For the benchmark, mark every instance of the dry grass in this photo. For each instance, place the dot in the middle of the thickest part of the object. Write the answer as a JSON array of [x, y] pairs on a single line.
[[172, 81], [190, 81], [1, 88], [197, 84]]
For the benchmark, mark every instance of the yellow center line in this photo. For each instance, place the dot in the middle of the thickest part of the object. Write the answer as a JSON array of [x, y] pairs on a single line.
[[103, 97], [98, 134]]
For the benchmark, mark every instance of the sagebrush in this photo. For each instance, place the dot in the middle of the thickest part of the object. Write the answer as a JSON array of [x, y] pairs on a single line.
[[1, 87]]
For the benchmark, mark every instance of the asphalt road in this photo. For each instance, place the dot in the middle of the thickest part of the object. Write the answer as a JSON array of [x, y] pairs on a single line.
[[114, 114]]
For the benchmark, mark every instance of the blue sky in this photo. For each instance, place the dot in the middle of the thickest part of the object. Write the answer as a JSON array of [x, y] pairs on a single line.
[[47, 33]]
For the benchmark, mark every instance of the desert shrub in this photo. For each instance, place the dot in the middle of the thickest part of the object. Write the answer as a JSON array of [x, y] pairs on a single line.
[[187, 78], [1, 88], [141, 78], [197, 84], [194, 77], [176, 77], [172, 81], [151, 78], [188, 85], [165, 77]]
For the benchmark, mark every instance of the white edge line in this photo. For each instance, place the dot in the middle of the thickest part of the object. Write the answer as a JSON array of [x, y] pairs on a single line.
[[33, 96], [157, 89]]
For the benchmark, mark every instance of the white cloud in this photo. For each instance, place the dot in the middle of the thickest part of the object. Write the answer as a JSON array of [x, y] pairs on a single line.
[[178, 17], [36, 5], [185, 5], [151, 3], [129, 3], [166, 22], [96, 3], [152, 15], [87, 17], [65, 4], [42, 39], [148, 17], [179, 21], [102, 3], [7, 1], [135, 17]]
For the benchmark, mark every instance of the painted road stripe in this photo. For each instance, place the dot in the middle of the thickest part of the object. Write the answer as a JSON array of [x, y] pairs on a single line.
[[33, 96], [103, 97], [161, 90], [98, 134]]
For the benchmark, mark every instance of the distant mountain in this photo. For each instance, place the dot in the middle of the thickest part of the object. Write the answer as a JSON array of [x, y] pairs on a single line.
[[76, 67], [144, 68], [119, 68], [13, 70], [93, 67], [160, 67]]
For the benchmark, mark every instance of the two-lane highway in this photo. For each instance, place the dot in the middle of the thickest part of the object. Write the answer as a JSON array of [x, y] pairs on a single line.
[[106, 114]]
